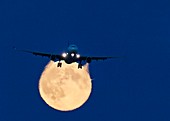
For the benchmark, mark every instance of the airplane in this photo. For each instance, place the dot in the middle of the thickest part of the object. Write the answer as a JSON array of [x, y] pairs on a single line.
[[70, 56]]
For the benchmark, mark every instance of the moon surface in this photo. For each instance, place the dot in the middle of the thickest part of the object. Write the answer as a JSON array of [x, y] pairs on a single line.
[[66, 88]]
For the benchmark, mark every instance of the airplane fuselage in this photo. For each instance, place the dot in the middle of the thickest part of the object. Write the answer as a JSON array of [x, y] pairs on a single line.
[[71, 55], [70, 59]]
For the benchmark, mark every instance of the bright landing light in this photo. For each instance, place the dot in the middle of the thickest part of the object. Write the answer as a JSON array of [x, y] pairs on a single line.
[[64, 55], [78, 55], [72, 54]]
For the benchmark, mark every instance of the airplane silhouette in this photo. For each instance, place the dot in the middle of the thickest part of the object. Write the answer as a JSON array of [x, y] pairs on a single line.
[[70, 56]]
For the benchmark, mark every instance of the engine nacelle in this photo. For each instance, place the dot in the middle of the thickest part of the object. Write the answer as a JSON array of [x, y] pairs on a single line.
[[53, 58], [88, 60]]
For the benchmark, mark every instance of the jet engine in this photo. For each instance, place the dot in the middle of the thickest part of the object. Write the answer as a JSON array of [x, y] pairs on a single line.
[[53, 58], [88, 60]]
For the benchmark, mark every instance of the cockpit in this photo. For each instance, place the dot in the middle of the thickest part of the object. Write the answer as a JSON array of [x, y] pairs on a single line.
[[72, 49]]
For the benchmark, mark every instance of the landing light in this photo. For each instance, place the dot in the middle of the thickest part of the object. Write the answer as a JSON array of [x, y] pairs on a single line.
[[72, 54], [78, 55], [64, 55]]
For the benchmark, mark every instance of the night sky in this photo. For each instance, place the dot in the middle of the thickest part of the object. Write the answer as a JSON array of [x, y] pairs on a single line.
[[133, 88]]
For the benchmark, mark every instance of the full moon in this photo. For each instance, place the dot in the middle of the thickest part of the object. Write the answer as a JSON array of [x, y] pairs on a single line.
[[66, 88]]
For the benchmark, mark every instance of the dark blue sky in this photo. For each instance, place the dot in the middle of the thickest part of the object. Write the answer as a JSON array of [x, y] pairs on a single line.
[[135, 88]]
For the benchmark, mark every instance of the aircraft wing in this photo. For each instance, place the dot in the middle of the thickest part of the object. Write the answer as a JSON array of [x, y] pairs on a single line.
[[89, 59], [51, 56], [94, 58]]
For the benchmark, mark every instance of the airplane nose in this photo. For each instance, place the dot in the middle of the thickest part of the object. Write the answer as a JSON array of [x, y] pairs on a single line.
[[72, 49]]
